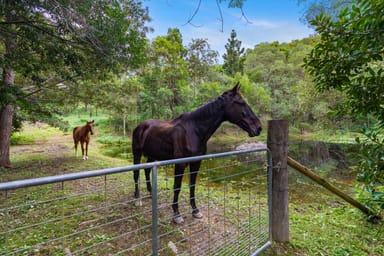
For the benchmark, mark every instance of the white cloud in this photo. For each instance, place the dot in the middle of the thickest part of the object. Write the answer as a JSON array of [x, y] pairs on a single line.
[[262, 24]]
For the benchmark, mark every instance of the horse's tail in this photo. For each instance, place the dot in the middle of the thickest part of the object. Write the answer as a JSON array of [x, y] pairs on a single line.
[[74, 132], [138, 142]]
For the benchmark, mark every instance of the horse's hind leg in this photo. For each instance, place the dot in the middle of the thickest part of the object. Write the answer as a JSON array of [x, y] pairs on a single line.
[[136, 176], [179, 171], [76, 144], [194, 169], [148, 176]]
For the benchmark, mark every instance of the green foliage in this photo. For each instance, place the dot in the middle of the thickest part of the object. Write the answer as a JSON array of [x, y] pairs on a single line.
[[349, 57], [318, 7], [17, 138], [371, 165], [283, 88], [199, 59], [164, 80], [273, 68], [234, 56], [10, 94], [257, 94], [51, 49], [208, 91], [35, 132]]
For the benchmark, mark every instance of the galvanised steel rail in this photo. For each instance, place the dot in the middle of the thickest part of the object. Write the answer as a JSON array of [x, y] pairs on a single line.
[[94, 173], [5, 186]]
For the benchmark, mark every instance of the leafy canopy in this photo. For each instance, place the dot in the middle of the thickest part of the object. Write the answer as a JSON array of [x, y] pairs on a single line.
[[52, 45], [349, 57]]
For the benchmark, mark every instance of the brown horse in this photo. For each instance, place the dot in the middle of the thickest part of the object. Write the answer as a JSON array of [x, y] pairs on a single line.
[[187, 135], [82, 134]]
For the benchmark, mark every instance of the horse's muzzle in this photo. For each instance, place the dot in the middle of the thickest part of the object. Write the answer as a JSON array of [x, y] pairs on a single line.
[[255, 132]]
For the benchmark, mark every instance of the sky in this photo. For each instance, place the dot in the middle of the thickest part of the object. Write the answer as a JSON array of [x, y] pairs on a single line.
[[266, 21]]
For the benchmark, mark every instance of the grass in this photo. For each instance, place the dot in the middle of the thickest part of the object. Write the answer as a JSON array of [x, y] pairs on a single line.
[[341, 233], [323, 224], [41, 133], [320, 223]]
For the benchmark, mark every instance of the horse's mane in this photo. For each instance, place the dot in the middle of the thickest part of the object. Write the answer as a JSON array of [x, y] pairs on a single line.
[[209, 108], [212, 107]]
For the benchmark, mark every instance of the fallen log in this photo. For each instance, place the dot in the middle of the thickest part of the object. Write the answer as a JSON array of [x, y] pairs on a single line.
[[313, 176]]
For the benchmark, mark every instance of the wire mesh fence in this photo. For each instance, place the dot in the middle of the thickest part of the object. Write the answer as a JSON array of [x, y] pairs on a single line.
[[93, 213]]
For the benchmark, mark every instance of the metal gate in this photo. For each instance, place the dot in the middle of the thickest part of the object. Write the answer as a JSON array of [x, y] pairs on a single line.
[[93, 212]]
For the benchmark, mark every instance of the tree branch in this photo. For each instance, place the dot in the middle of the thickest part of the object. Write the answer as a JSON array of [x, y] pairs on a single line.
[[244, 16], [189, 21], [221, 15]]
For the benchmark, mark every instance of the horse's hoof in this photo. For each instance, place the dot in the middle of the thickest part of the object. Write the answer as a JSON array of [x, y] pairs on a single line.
[[86, 158], [178, 219], [197, 215], [138, 203]]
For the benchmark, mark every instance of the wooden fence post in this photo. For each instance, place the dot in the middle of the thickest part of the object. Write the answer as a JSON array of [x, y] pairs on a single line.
[[277, 143]]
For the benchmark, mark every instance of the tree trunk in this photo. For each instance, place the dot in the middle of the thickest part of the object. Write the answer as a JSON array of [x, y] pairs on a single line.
[[7, 108], [6, 117], [124, 124]]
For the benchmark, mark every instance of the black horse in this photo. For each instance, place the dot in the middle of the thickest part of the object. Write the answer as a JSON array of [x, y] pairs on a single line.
[[186, 136]]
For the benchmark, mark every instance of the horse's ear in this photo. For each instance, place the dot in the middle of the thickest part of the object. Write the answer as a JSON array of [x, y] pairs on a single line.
[[93, 121], [236, 89]]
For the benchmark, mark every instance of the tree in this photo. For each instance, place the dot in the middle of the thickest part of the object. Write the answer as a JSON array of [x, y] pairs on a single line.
[[276, 70], [349, 58], [200, 58], [270, 64], [46, 46], [234, 57], [165, 78]]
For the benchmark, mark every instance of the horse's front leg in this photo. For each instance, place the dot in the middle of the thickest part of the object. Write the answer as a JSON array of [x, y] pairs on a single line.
[[194, 169], [179, 171], [82, 150]]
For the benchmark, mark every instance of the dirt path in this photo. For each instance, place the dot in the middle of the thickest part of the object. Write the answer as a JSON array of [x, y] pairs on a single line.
[[52, 153], [51, 142], [55, 146]]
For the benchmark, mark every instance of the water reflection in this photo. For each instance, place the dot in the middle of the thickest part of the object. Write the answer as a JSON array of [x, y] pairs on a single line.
[[332, 160]]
